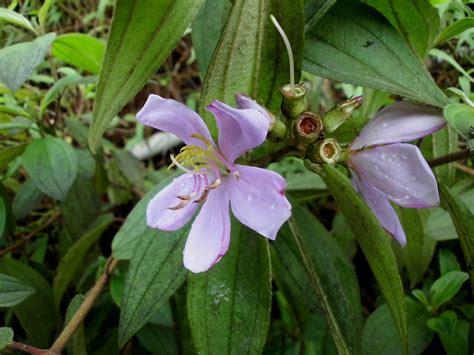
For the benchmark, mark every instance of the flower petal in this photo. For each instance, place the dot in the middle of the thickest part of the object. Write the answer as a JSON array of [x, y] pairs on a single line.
[[160, 216], [173, 117], [400, 122], [209, 237], [382, 209], [243, 102], [239, 130], [400, 172], [257, 198]]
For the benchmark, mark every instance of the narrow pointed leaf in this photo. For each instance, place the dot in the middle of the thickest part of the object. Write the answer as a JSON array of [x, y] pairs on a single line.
[[15, 18], [314, 10], [455, 28], [142, 35], [374, 242], [354, 44], [251, 57], [229, 305]]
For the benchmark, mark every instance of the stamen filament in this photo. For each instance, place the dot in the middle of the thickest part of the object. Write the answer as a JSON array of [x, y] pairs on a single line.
[[288, 49]]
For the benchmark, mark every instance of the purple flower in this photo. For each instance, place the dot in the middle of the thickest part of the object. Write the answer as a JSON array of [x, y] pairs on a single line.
[[256, 196], [383, 168]]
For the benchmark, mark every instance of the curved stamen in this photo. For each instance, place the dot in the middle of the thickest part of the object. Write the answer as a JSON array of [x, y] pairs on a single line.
[[176, 163]]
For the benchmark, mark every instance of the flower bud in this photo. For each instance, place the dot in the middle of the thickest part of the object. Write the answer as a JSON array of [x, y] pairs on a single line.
[[326, 151], [307, 127], [339, 114], [293, 103]]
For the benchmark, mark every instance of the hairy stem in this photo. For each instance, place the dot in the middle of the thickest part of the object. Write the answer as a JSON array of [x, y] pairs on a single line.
[[84, 309], [463, 154]]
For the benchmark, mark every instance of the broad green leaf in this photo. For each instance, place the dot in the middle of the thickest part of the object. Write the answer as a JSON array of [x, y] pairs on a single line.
[[374, 242], [10, 153], [444, 142], [380, 332], [463, 221], [75, 257], [6, 337], [13, 291], [250, 57], [156, 271], [461, 118], [354, 44], [77, 342], [444, 323], [314, 269], [18, 61], [79, 50], [135, 226], [417, 21], [314, 10], [455, 28], [446, 287], [207, 29], [155, 337], [447, 262], [452, 331], [142, 35], [15, 18], [229, 305], [37, 314], [417, 254], [51, 164]]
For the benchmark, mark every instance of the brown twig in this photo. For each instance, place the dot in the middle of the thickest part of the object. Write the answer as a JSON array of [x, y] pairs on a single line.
[[27, 348], [25, 240], [83, 310], [464, 168], [463, 154]]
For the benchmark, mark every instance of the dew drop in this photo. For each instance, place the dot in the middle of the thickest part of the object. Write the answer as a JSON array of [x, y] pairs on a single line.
[[413, 178], [394, 155], [390, 160], [399, 164], [383, 156], [192, 258], [272, 207], [404, 156], [385, 125], [406, 197], [249, 198]]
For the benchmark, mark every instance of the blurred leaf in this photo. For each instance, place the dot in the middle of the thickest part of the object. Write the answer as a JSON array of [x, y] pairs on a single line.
[[444, 323], [314, 10], [26, 200], [461, 118], [3, 217], [452, 331], [156, 271], [447, 262], [77, 343], [463, 220], [130, 167], [13, 291], [380, 333], [10, 153], [454, 29], [15, 18], [296, 175], [374, 242], [207, 29], [6, 337], [156, 337], [447, 58], [417, 21], [142, 35], [250, 57], [444, 142], [446, 287], [86, 164], [77, 130], [354, 44], [51, 164], [75, 257], [229, 305], [18, 61], [43, 13], [79, 50], [314, 269], [37, 314], [343, 235]]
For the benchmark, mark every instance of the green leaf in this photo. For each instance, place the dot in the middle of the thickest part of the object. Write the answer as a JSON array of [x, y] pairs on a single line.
[[447, 262], [79, 50], [37, 314], [448, 58], [354, 44], [251, 57], [314, 269], [455, 28], [463, 221], [229, 305], [10, 153], [43, 13], [18, 61], [440, 144], [446, 287], [296, 175], [75, 257], [51, 164], [156, 272], [452, 331], [314, 10], [444, 323], [15, 18], [380, 332], [461, 118], [13, 291], [3, 217], [6, 337], [417, 21], [142, 35], [374, 242], [77, 343], [207, 29], [156, 337], [26, 200]]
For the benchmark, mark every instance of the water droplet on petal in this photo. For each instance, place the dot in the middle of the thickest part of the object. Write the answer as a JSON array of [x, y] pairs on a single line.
[[394, 155], [390, 160], [413, 178], [399, 164], [385, 125], [249, 198], [404, 156], [383, 156], [272, 207], [192, 258], [406, 197]]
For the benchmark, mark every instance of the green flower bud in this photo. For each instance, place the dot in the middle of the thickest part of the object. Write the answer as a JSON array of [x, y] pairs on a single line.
[[293, 103], [339, 114]]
